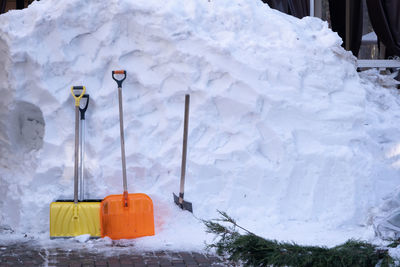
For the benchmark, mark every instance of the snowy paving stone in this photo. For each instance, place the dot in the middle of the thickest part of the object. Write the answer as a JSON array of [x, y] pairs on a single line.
[[201, 258], [87, 261], [185, 255], [113, 264], [137, 259], [160, 253], [165, 262], [213, 258], [113, 260], [190, 261], [126, 261], [148, 253], [174, 255], [177, 261]]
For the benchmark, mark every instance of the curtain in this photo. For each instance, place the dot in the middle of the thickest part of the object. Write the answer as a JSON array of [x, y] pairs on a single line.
[[337, 10], [385, 19], [2, 6], [20, 4], [297, 8], [281, 5]]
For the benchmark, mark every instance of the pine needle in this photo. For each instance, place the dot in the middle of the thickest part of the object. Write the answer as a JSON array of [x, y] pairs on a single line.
[[252, 250]]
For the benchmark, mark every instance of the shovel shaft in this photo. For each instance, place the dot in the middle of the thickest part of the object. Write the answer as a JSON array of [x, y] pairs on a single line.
[[82, 130], [76, 171], [181, 198], [121, 124], [82, 159], [184, 147]]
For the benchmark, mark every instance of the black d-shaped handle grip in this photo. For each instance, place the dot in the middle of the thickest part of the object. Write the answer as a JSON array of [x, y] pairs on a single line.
[[119, 82], [83, 110]]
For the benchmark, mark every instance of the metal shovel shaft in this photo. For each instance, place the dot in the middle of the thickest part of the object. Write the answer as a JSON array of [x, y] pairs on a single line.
[[121, 124], [81, 163], [77, 98], [76, 171]]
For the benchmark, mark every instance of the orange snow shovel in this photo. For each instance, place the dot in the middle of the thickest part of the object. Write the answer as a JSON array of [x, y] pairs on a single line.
[[128, 215]]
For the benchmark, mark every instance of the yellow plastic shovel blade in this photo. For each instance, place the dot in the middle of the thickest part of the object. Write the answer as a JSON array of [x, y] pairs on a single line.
[[68, 219]]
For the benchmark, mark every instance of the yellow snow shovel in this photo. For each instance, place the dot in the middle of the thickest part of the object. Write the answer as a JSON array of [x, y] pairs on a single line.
[[69, 218]]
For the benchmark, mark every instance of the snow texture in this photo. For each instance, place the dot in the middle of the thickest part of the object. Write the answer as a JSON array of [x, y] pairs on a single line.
[[284, 134]]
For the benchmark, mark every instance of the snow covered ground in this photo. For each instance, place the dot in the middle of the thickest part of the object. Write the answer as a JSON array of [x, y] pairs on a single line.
[[284, 134]]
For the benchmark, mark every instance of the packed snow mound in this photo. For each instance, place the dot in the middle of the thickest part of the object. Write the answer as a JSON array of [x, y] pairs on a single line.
[[284, 134]]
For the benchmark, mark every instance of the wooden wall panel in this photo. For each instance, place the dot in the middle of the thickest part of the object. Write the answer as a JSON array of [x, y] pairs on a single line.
[[12, 4]]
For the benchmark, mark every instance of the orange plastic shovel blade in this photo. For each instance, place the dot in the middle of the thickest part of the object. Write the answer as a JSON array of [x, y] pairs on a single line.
[[124, 222]]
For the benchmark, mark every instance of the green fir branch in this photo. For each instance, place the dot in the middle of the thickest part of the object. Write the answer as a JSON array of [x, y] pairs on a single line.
[[252, 250]]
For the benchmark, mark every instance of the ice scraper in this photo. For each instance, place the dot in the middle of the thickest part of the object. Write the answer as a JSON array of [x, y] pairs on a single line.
[[69, 218], [128, 215], [185, 205]]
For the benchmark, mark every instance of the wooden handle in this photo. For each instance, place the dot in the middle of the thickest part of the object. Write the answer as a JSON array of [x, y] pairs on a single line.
[[184, 147]]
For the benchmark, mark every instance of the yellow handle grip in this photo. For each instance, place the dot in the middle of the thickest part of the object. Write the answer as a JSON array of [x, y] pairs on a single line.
[[78, 98]]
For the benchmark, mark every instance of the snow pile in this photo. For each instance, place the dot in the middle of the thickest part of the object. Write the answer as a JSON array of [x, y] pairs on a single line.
[[285, 136]]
